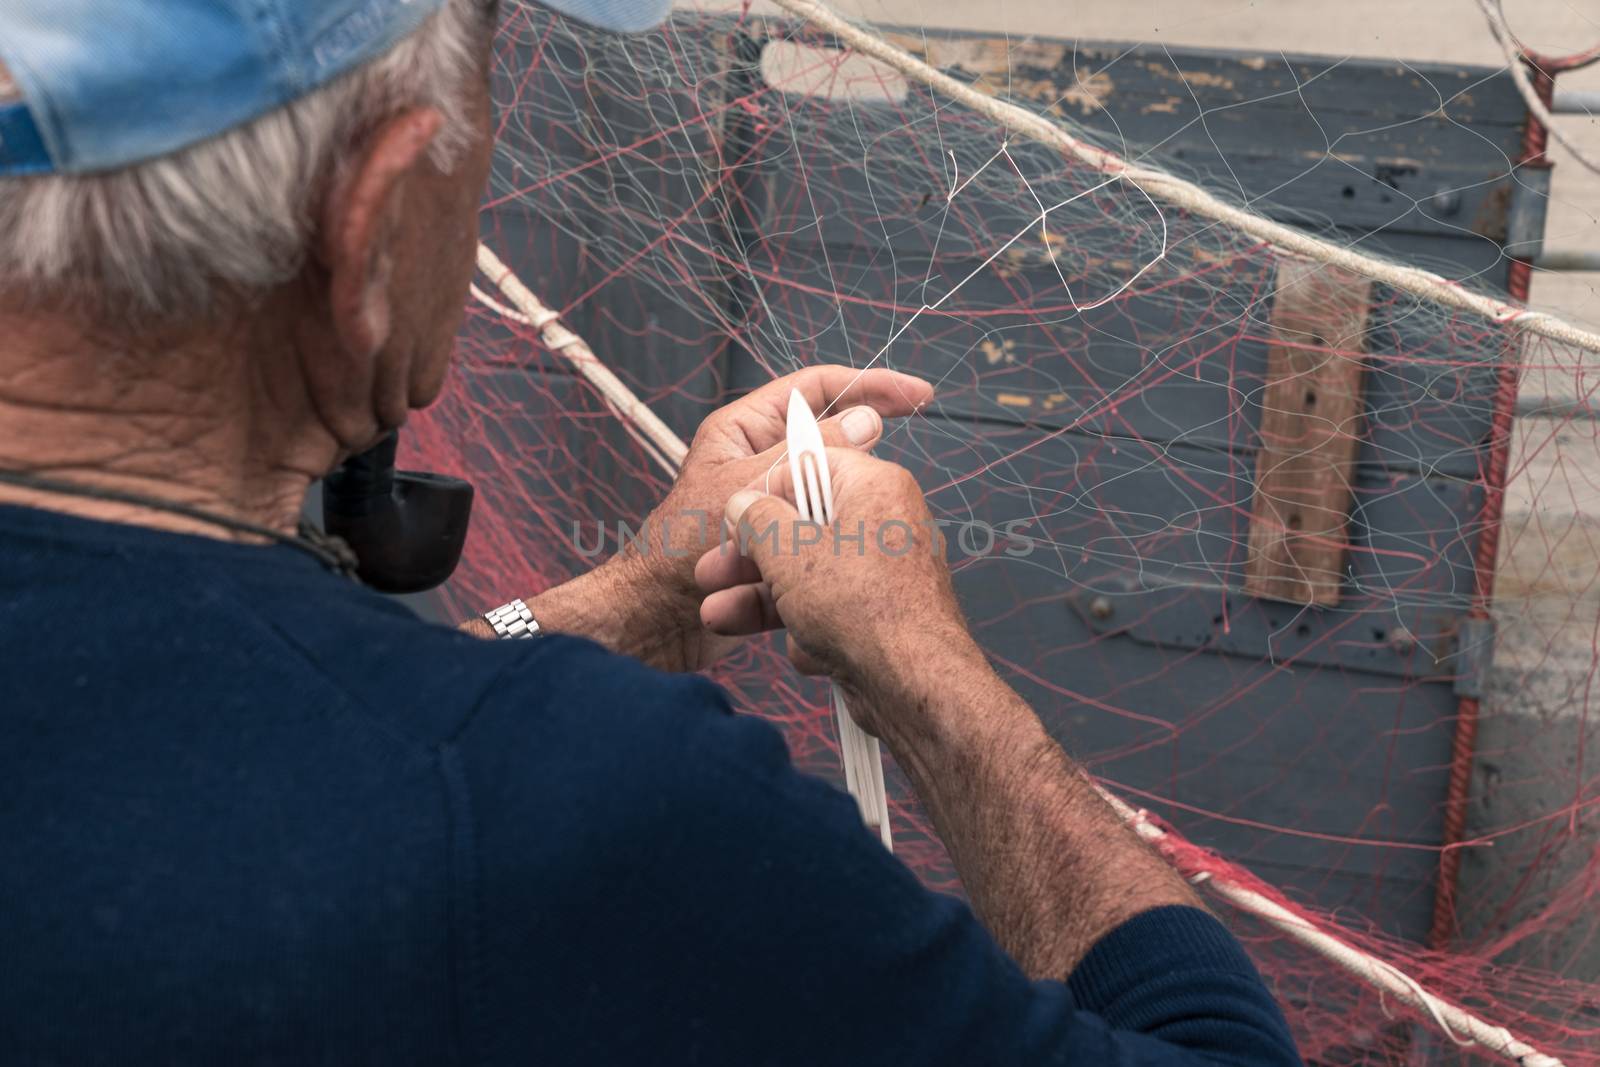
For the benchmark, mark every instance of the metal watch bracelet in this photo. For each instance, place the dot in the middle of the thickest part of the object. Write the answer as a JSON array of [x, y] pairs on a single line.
[[512, 622]]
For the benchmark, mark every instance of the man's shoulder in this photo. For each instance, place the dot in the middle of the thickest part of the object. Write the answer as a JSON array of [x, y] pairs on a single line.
[[557, 708], [604, 718], [554, 694]]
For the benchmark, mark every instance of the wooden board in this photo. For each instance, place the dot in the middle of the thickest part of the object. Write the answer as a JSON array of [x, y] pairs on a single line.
[[1310, 429], [1361, 144], [1428, 402], [1420, 175]]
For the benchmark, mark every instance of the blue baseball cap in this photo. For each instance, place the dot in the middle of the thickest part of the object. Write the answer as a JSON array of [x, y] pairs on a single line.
[[106, 83]]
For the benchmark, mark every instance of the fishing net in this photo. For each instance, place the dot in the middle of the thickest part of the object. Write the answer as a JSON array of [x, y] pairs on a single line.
[[735, 197]]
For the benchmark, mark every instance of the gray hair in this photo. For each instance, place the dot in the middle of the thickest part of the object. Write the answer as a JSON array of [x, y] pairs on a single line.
[[232, 213]]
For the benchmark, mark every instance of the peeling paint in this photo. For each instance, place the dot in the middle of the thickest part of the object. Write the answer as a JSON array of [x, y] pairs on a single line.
[[1207, 79], [999, 352], [983, 55], [1088, 94], [1024, 70]]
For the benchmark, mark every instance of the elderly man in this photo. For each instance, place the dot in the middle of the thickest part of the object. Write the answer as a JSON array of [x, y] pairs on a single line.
[[253, 813]]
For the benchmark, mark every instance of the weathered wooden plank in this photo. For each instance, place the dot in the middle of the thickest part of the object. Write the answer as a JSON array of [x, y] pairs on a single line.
[[1186, 363], [1425, 177], [1109, 514], [1075, 78], [1306, 140], [1310, 429]]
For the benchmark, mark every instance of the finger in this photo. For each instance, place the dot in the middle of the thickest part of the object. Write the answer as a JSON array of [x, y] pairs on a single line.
[[769, 530], [751, 515], [723, 567], [830, 386], [762, 417], [776, 479], [859, 428], [740, 611]]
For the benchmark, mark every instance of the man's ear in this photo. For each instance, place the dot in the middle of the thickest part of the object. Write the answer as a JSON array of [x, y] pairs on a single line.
[[361, 225]]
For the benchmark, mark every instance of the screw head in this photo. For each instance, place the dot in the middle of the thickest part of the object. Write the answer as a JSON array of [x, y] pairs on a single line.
[[1445, 201], [1402, 640], [1100, 607]]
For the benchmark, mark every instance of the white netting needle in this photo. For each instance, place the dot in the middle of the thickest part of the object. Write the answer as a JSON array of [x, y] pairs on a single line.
[[813, 496]]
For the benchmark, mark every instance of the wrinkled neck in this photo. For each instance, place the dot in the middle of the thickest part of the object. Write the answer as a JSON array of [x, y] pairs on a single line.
[[212, 422]]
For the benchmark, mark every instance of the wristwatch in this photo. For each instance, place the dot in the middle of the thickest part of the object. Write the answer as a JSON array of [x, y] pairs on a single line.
[[512, 621]]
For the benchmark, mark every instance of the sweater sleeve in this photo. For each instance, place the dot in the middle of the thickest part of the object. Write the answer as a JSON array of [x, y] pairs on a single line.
[[653, 881]]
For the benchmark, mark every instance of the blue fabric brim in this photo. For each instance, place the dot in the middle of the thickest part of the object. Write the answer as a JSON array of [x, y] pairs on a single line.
[[618, 16]]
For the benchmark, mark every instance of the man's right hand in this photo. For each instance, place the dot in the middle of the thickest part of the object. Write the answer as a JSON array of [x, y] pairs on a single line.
[[862, 600], [1045, 862]]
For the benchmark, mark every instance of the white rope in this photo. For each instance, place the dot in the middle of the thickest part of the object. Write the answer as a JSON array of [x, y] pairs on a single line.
[[498, 308], [1188, 196], [1495, 12], [627, 424], [668, 446], [1459, 1025]]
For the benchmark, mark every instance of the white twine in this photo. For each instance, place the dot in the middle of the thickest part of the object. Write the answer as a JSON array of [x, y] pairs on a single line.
[[1186, 195], [498, 308]]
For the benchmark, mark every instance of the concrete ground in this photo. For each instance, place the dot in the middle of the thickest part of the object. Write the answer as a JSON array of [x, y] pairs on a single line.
[[1548, 603]]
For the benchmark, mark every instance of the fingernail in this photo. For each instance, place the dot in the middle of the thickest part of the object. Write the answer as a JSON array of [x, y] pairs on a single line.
[[739, 503], [859, 425]]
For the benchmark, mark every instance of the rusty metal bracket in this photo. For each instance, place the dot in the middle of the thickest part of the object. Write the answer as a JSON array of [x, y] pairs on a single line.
[[1530, 203], [1568, 259], [1575, 101], [1474, 657]]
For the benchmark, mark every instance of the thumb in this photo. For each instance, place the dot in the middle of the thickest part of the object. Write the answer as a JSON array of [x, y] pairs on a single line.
[[756, 521], [860, 427]]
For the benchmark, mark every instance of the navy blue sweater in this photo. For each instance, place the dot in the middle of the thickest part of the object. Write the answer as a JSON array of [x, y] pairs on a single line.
[[253, 814]]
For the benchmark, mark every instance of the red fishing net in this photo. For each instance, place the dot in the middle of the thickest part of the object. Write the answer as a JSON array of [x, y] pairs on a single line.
[[732, 198]]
